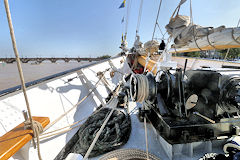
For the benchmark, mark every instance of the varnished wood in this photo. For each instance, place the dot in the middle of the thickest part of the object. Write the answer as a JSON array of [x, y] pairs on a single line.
[[15, 139], [220, 47], [150, 65]]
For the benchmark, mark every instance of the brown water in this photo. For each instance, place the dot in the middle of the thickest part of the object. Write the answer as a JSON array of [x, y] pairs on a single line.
[[9, 76]]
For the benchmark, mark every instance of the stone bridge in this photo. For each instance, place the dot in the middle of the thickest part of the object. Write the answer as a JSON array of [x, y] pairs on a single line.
[[53, 60]]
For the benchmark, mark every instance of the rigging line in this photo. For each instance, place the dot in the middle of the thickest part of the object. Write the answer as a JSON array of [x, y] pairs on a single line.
[[30, 123], [139, 17], [238, 22], [160, 4], [193, 27], [161, 31], [146, 137], [178, 8], [161, 56], [76, 105], [127, 18]]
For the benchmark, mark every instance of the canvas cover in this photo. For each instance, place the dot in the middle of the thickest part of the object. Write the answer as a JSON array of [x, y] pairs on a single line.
[[184, 32]]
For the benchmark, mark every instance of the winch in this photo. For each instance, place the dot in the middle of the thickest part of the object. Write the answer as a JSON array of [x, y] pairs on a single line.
[[189, 106]]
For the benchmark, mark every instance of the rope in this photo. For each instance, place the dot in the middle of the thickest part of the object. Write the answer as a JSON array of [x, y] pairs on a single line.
[[37, 129], [97, 135], [146, 137], [177, 8], [165, 50], [117, 89], [113, 106], [159, 8], [142, 88], [238, 22], [161, 31], [226, 54], [127, 18], [32, 124], [127, 154], [60, 117], [209, 41], [139, 17], [234, 37], [147, 60], [115, 134], [69, 129], [193, 27]]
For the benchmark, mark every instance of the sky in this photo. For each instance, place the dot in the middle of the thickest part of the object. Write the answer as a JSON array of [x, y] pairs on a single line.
[[91, 28]]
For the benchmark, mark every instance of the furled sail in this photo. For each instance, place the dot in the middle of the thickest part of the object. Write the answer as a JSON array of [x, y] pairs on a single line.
[[191, 37]]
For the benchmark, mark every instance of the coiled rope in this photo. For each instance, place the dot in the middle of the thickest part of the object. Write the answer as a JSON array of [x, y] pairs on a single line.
[[128, 154], [34, 125], [140, 92], [113, 105], [115, 133]]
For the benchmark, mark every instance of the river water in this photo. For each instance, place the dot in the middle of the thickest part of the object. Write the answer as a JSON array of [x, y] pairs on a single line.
[[9, 76]]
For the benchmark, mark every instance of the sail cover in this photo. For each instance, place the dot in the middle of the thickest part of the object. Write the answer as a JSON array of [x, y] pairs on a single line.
[[183, 32]]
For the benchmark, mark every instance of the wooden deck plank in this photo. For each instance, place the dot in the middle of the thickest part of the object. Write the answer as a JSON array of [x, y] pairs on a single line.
[[15, 139]]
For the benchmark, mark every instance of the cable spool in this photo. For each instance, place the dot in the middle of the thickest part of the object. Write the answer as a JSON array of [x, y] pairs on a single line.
[[142, 87], [128, 154]]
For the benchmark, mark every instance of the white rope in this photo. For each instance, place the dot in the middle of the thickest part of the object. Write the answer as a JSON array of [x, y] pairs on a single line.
[[159, 8], [146, 137], [161, 56], [238, 22], [79, 102], [35, 126], [64, 131], [139, 17], [146, 63], [69, 129], [47, 135], [142, 87], [127, 18]]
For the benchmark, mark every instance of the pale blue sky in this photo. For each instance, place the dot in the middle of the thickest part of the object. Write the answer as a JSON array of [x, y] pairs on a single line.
[[90, 28]]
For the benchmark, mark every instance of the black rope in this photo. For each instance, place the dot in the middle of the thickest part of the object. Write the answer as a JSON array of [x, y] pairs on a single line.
[[115, 133]]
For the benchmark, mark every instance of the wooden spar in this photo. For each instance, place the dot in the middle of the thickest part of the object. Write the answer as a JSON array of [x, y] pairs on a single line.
[[218, 40], [150, 65], [15, 139], [193, 63]]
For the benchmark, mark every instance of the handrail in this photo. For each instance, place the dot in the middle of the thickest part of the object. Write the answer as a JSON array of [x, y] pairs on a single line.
[[15, 139]]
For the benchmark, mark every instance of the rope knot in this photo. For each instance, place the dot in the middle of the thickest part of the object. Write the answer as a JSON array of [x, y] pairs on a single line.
[[37, 127]]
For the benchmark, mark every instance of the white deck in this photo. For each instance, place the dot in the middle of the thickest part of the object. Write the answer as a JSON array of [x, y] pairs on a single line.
[[53, 97]]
